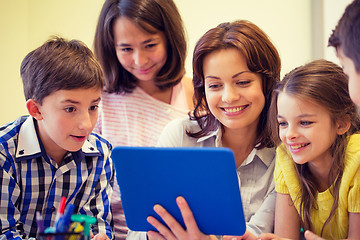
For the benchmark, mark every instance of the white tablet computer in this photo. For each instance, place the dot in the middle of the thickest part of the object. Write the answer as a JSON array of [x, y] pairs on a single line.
[[205, 177]]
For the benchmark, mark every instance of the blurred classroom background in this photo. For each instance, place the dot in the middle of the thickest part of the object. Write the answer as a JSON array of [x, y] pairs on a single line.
[[298, 28]]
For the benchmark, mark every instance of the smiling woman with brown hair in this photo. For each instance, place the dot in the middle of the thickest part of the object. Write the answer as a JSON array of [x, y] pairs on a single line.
[[235, 70]]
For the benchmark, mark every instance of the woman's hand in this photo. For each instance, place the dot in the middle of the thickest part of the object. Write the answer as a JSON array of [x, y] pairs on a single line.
[[100, 236], [175, 231], [247, 236]]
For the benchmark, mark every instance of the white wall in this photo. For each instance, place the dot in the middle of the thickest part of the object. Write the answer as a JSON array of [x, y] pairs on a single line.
[[286, 22], [333, 10], [13, 45], [24, 25]]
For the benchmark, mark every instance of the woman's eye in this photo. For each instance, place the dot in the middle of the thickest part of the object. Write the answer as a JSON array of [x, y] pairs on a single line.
[[243, 83], [93, 108], [126, 49], [70, 109], [213, 86], [151, 45]]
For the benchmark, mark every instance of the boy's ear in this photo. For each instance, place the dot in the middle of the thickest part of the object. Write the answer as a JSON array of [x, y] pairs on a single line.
[[343, 125], [33, 108]]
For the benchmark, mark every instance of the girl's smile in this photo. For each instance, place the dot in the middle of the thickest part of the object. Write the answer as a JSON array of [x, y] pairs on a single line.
[[305, 128], [297, 147]]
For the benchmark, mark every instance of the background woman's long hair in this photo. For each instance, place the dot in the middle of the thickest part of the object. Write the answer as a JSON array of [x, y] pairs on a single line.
[[152, 16]]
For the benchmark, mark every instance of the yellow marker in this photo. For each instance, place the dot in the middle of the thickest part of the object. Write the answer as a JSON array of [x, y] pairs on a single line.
[[75, 227]]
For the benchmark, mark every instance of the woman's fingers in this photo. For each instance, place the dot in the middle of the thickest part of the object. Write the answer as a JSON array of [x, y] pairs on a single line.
[[152, 235], [173, 230], [188, 216]]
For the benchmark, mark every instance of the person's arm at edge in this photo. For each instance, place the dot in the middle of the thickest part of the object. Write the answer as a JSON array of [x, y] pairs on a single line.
[[287, 221]]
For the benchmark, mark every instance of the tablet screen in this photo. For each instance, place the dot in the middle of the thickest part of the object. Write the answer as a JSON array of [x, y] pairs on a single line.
[[205, 177]]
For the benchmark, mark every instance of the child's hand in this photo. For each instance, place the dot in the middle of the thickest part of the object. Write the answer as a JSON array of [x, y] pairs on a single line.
[[268, 236], [311, 236], [100, 236], [247, 236]]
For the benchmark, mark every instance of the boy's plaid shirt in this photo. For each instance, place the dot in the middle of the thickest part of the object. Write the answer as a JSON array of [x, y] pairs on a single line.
[[30, 181]]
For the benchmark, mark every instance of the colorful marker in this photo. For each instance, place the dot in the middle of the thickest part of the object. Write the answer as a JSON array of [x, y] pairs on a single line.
[[39, 222], [60, 211], [87, 222], [64, 221]]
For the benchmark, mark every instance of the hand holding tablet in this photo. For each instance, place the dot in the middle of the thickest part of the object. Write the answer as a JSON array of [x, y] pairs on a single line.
[[205, 177]]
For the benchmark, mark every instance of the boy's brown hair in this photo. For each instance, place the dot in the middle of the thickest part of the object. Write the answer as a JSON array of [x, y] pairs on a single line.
[[59, 64], [347, 33]]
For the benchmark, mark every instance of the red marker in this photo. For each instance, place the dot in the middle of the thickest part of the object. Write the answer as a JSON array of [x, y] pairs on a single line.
[[60, 211]]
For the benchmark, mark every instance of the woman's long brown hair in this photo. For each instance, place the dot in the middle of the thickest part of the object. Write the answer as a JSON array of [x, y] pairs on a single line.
[[261, 56]]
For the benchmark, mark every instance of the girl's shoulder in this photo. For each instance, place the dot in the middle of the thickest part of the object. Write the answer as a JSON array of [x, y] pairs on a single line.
[[354, 141], [284, 163], [352, 154]]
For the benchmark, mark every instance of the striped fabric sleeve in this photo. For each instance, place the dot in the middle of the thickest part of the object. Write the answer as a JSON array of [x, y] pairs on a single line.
[[10, 193]]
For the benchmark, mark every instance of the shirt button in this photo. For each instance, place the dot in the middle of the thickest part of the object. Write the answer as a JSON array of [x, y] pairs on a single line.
[[53, 209], [91, 148], [21, 152]]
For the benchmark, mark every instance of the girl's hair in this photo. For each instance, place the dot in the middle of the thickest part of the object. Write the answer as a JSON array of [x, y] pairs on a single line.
[[151, 16], [323, 83], [261, 57]]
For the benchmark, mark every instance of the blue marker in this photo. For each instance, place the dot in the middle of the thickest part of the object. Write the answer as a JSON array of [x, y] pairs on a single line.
[[64, 221], [60, 211], [49, 230]]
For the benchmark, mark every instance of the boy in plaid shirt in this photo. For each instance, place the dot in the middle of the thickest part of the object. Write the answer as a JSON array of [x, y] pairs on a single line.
[[53, 152]]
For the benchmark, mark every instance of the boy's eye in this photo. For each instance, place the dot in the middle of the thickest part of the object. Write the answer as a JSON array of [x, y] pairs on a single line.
[[70, 109]]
